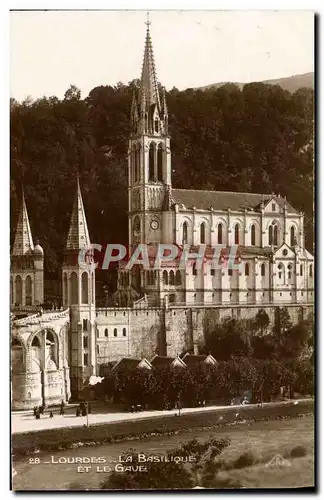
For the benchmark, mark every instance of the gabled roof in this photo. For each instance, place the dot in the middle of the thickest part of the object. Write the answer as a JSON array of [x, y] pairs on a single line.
[[164, 361], [222, 200], [131, 364], [78, 236], [194, 359], [23, 242], [126, 364]]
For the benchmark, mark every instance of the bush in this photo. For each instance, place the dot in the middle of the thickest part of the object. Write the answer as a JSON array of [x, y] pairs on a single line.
[[247, 459], [298, 451]]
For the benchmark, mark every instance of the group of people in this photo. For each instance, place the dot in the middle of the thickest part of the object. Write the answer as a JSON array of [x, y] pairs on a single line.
[[39, 410], [83, 409]]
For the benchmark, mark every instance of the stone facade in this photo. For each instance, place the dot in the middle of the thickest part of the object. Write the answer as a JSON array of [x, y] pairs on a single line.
[[40, 360]]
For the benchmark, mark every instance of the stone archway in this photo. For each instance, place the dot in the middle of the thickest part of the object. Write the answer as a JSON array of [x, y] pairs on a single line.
[[46, 350]]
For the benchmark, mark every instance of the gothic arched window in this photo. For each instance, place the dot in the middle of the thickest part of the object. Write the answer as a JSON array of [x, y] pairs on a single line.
[[311, 270], [270, 235], [65, 289], [151, 162], [289, 271], [134, 163], [28, 291], [165, 277], [178, 278], [160, 163], [253, 235], [275, 235], [301, 269], [247, 269], [237, 234], [84, 285], [74, 288], [263, 269], [18, 283], [185, 232], [220, 233], [292, 236], [202, 233], [138, 162], [136, 226], [171, 278]]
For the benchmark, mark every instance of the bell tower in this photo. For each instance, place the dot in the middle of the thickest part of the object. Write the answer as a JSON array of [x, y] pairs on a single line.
[[78, 280], [149, 155]]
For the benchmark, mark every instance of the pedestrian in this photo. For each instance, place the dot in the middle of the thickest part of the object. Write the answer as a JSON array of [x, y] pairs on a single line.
[[37, 414], [35, 409], [62, 408], [51, 414], [77, 412]]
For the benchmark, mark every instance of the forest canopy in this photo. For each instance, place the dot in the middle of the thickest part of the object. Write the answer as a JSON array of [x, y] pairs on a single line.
[[258, 139]]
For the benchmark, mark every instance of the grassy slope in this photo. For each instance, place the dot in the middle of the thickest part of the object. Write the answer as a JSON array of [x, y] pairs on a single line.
[[272, 439]]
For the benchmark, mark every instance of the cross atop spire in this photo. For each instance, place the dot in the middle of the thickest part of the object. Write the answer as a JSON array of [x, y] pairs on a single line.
[[148, 22], [23, 243]]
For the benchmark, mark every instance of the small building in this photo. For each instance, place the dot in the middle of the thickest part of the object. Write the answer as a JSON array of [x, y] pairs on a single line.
[[192, 360], [166, 361], [127, 364]]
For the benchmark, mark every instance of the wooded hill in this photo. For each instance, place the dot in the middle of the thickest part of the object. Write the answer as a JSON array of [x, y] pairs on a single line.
[[257, 139]]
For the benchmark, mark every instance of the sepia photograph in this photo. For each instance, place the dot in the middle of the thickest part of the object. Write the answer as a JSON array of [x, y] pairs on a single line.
[[162, 250]]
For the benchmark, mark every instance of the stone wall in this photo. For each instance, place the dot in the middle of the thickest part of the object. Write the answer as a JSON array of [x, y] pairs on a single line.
[[170, 331]]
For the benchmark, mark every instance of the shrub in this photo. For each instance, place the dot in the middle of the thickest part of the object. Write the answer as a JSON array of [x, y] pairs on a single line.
[[247, 459], [298, 451]]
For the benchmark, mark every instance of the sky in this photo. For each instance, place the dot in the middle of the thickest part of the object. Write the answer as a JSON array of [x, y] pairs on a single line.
[[50, 50]]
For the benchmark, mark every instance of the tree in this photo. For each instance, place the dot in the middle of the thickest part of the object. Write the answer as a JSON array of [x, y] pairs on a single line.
[[184, 469], [262, 320]]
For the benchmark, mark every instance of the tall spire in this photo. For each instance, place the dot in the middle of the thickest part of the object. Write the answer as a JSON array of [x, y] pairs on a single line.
[[78, 236], [149, 92], [23, 243]]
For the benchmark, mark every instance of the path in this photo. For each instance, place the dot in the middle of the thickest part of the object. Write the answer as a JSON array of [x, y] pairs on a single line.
[[23, 422]]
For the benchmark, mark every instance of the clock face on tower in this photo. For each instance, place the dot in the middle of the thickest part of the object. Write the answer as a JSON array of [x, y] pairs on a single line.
[[154, 225]]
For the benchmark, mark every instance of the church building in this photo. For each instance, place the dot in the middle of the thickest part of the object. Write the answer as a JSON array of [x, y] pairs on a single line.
[[53, 353]]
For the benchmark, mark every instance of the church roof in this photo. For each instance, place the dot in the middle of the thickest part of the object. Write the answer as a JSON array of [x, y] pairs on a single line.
[[78, 236], [222, 200], [23, 242]]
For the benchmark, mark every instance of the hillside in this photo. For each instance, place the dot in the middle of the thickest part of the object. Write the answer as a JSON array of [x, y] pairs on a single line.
[[290, 83]]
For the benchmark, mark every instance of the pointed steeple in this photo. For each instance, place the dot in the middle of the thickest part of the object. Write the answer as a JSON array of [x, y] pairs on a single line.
[[78, 236], [23, 242], [149, 91]]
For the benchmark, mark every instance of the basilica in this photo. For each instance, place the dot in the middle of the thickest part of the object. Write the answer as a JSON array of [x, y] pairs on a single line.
[[54, 353]]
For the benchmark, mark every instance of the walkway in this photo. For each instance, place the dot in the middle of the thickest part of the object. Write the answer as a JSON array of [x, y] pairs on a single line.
[[23, 422]]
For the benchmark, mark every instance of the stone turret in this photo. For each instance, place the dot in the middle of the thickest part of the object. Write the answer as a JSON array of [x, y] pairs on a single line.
[[27, 265]]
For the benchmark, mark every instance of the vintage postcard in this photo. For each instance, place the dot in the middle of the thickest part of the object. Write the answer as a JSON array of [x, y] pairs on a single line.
[[162, 250]]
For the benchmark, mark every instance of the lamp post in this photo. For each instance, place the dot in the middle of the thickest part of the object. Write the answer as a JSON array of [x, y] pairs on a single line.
[[93, 380]]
